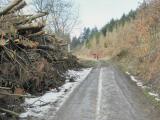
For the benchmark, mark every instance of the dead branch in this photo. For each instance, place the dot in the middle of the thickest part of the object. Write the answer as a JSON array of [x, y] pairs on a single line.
[[36, 34], [10, 112], [16, 95], [5, 88]]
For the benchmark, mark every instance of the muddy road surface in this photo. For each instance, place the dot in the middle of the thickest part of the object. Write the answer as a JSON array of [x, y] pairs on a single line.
[[107, 94]]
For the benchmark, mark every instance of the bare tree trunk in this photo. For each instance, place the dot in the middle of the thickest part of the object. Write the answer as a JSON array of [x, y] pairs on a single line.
[[10, 112]]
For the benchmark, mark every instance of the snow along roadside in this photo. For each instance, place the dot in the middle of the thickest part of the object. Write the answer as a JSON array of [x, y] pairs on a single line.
[[140, 84], [40, 107]]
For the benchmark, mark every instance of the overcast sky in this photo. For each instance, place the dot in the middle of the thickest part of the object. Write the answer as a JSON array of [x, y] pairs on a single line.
[[99, 12]]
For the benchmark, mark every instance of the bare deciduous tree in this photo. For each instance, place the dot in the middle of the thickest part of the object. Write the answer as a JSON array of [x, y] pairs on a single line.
[[3, 3], [62, 17]]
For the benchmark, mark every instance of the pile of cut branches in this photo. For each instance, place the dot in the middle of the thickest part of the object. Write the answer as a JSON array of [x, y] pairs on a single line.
[[31, 60]]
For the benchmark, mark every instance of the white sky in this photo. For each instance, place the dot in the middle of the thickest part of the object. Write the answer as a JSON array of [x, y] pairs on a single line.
[[98, 12]]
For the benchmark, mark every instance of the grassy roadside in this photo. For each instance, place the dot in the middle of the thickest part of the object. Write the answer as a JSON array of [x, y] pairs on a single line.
[[123, 67], [152, 99], [88, 63], [93, 63]]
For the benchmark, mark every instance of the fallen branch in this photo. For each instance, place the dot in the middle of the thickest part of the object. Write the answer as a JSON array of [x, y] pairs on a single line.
[[5, 88], [10, 112], [16, 95]]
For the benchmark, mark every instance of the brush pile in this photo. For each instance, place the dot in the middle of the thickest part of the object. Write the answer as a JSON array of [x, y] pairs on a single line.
[[31, 60]]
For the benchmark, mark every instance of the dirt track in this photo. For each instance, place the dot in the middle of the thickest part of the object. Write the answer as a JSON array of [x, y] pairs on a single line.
[[107, 94]]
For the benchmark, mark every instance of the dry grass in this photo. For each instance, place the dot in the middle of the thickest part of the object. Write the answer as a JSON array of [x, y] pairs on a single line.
[[136, 45]]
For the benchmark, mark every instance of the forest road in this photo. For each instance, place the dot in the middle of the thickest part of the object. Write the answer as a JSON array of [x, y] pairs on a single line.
[[107, 94]]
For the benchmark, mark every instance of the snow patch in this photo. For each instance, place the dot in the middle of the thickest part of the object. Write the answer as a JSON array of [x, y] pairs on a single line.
[[127, 73], [145, 87], [140, 84], [153, 94], [40, 106], [157, 99], [133, 79]]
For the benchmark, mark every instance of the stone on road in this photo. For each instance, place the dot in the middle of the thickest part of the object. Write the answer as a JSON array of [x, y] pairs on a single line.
[[107, 94]]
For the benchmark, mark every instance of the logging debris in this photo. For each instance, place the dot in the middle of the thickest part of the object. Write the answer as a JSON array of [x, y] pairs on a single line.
[[31, 60]]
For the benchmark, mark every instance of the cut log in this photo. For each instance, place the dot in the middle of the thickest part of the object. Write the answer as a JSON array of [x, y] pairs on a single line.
[[18, 7], [37, 34], [29, 26], [7, 9], [5, 88], [32, 18], [16, 95]]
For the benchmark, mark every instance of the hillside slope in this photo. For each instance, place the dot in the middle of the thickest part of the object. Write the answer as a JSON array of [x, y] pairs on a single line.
[[133, 42]]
